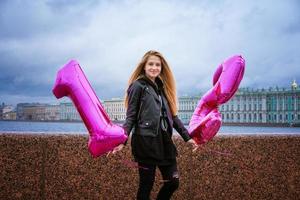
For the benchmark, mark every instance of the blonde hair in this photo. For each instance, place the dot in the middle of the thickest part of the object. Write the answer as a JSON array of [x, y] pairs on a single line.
[[166, 77]]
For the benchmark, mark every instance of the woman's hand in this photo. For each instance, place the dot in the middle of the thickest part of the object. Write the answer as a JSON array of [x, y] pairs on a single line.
[[195, 145], [116, 149]]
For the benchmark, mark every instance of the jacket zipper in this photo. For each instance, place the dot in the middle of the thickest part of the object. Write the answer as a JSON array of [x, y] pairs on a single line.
[[141, 104], [160, 106]]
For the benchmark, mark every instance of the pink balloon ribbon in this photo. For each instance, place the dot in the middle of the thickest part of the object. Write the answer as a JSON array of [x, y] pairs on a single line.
[[133, 164], [104, 135], [206, 119]]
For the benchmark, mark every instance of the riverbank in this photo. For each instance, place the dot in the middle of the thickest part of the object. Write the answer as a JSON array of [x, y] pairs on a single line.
[[70, 128], [46, 166], [121, 122]]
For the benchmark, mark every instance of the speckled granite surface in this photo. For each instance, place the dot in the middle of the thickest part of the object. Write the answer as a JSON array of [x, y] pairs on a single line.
[[230, 167]]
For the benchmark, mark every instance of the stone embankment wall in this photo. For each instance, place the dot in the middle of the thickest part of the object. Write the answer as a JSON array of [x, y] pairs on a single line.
[[43, 166]]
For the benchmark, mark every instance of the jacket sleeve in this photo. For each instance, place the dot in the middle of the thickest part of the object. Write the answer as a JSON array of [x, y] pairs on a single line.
[[134, 94], [179, 127]]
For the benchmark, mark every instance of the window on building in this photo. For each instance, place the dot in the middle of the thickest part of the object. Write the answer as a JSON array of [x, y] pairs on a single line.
[[255, 117], [227, 116], [260, 116], [238, 107], [280, 106], [269, 117], [249, 106], [244, 106], [245, 117], [250, 118], [292, 117], [298, 116], [231, 116], [275, 117], [238, 116], [280, 117]]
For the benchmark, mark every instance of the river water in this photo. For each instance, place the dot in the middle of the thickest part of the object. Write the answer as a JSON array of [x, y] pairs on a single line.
[[71, 128]]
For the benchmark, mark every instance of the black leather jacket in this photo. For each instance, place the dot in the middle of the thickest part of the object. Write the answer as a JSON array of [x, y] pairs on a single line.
[[144, 107]]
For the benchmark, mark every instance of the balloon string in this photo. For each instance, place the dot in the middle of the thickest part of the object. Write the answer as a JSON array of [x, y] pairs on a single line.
[[133, 164], [164, 181], [242, 166], [216, 152]]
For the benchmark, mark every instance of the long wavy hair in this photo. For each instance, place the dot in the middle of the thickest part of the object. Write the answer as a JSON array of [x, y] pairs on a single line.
[[165, 75]]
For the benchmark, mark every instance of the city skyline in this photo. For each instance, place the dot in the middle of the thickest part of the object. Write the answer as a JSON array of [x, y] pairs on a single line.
[[273, 106], [292, 86], [199, 94], [108, 38]]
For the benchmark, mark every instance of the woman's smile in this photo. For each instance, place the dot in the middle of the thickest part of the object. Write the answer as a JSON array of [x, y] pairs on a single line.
[[153, 67]]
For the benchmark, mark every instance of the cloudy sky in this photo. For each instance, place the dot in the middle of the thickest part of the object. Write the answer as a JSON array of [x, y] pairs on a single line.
[[109, 37]]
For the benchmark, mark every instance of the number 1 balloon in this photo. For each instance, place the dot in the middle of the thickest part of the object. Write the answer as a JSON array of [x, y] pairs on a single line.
[[104, 135]]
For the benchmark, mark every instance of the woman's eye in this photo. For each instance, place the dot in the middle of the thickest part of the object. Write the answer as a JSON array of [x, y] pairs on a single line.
[[157, 65]]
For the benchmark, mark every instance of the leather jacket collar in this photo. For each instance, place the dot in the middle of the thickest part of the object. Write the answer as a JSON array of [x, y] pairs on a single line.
[[157, 87]]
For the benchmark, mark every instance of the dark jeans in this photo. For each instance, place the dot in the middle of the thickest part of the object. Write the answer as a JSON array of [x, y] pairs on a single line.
[[147, 177]]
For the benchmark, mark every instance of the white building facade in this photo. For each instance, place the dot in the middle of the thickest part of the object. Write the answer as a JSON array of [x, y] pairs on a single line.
[[247, 106], [115, 108], [68, 112]]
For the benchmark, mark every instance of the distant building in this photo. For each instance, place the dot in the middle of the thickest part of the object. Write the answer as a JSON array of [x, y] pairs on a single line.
[[47, 112], [273, 105], [187, 105], [12, 115], [7, 108], [115, 108], [35, 112], [23, 112], [1, 110], [68, 112], [247, 106], [52, 112]]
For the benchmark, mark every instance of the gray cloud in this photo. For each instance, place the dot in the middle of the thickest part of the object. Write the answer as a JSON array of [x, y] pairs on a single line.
[[108, 38]]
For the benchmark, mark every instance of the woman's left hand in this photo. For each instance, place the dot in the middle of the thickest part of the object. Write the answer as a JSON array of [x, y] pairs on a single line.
[[195, 145], [116, 149]]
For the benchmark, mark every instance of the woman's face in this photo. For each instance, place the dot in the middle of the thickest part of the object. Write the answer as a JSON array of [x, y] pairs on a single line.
[[153, 67]]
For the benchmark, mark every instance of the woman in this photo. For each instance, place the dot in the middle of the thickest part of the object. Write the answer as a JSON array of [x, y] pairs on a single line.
[[151, 114]]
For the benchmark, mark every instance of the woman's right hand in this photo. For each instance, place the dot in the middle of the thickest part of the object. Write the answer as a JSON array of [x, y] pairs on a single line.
[[116, 149], [194, 143]]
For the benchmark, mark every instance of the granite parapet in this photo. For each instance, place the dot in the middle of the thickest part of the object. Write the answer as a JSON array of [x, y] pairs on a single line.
[[59, 166]]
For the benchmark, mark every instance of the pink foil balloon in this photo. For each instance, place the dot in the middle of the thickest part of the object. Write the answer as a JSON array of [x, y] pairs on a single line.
[[104, 135], [206, 119]]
